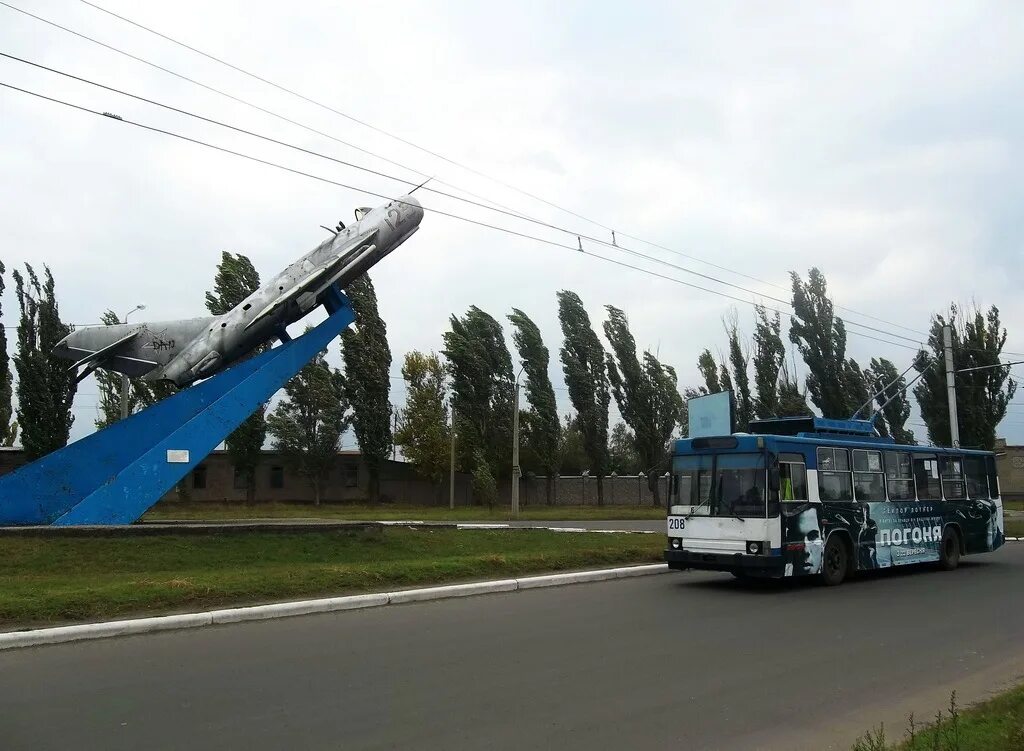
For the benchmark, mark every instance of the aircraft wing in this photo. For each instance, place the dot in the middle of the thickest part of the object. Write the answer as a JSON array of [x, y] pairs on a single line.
[[133, 349], [317, 280]]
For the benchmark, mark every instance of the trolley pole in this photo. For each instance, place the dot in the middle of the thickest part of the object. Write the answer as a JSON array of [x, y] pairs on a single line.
[[954, 425]]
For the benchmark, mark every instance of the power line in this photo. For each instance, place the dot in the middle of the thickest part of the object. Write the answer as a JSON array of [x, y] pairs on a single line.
[[398, 179], [435, 211], [442, 157], [422, 174], [570, 232]]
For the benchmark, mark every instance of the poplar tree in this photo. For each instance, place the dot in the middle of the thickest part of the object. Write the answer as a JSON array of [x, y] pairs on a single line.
[[982, 396], [8, 427], [647, 394], [46, 387], [542, 426], [708, 369], [892, 388], [308, 422], [364, 346], [481, 370], [423, 431], [586, 377], [792, 397], [769, 353], [739, 359], [235, 280], [820, 337], [859, 386]]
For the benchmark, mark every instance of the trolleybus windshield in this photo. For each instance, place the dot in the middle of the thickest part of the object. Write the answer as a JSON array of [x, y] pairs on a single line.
[[724, 485]]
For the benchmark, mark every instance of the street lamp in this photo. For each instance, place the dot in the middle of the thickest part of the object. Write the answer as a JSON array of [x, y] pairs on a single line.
[[124, 378]]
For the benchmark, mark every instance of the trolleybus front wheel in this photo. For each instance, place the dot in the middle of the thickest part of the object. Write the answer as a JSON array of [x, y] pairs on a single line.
[[949, 550], [834, 561]]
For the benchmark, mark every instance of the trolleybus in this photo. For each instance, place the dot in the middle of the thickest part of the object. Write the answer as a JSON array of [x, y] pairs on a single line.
[[809, 496]]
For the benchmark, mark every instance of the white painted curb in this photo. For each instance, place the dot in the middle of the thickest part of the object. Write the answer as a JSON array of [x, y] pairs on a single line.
[[38, 637]]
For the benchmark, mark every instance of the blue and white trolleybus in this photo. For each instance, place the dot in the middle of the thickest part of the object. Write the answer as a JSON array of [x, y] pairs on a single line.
[[808, 496]]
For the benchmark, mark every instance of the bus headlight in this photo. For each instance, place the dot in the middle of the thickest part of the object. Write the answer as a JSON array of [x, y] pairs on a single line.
[[754, 548], [676, 543]]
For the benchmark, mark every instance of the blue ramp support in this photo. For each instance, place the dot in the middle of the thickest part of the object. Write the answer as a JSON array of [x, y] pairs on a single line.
[[114, 475]]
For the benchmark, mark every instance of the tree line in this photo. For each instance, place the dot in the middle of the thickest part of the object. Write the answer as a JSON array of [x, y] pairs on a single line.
[[470, 385]]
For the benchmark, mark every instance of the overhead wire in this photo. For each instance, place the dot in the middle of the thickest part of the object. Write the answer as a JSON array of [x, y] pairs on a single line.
[[438, 155], [427, 151], [570, 232], [487, 225]]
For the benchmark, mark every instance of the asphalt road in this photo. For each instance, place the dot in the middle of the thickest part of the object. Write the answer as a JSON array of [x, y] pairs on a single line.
[[691, 661]]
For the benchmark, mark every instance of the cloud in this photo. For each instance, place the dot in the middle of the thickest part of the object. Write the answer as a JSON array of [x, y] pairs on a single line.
[[878, 142]]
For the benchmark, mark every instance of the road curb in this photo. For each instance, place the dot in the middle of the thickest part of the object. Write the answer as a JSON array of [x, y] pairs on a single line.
[[108, 629]]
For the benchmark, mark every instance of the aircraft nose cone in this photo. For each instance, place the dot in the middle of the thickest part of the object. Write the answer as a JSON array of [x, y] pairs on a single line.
[[412, 206]]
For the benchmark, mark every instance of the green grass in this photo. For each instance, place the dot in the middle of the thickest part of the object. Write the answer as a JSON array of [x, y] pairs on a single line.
[[1014, 527], [214, 511], [48, 580], [993, 725], [1014, 505]]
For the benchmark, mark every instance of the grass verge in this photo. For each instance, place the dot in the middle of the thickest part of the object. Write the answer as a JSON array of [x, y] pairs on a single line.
[[1014, 527], [384, 512], [993, 725], [51, 580]]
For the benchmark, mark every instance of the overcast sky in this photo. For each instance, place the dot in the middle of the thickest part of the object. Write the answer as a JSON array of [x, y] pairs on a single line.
[[879, 142]]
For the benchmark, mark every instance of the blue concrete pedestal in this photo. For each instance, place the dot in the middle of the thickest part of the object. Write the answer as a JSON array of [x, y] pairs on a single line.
[[114, 475]]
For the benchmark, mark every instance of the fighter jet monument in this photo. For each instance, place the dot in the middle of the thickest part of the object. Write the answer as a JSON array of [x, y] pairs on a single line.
[[113, 475], [185, 351]]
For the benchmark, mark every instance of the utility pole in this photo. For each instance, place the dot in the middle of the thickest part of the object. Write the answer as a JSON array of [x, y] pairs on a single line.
[[394, 429], [515, 451], [451, 467], [954, 425], [124, 378]]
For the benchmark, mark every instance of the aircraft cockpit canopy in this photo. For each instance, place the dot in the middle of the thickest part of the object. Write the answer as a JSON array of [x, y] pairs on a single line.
[[361, 212]]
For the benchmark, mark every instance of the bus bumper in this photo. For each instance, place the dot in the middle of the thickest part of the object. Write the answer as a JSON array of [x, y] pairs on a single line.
[[737, 563]]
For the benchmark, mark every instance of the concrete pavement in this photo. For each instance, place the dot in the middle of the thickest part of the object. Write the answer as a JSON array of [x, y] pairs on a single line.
[[694, 661]]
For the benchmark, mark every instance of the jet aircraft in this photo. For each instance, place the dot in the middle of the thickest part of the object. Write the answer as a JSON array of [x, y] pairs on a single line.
[[185, 351]]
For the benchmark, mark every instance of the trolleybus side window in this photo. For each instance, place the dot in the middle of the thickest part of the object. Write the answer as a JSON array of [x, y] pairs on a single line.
[[993, 478], [977, 481], [926, 475], [899, 477], [868, 480], [792, 478], [834, 482], [953, 478]]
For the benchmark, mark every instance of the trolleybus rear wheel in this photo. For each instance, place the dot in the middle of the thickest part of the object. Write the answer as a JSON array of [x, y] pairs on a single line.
[[949, 550], [834, 562]]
